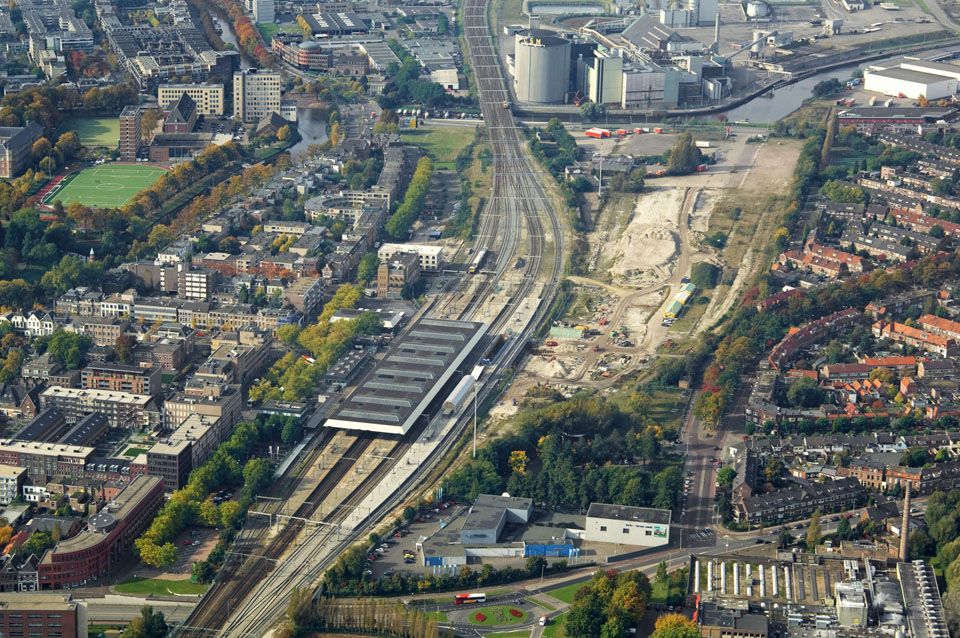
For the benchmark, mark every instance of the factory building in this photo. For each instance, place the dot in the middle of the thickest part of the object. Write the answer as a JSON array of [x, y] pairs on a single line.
[[604, 75], [912, 78], [396, 392], [541, 66]]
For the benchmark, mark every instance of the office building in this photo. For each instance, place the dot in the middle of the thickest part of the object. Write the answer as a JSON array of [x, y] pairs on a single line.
[[431, 257], [398, 275], [187, 447], [305, 294], [264, 11], [208, 97], [131, 134], [108, 538], [215, 400], [256, 94]]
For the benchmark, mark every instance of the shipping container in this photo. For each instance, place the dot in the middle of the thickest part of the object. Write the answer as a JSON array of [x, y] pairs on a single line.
[[701, 168], [658, 130], [683, 297], [598, 133], [621, 131], [673, 310], [638, 130]]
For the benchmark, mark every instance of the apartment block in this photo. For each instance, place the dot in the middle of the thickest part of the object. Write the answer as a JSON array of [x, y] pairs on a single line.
[[11, 480], [16, 145], [256, 94], [43, 615], [122, 409], [122, 378], [209, 97], [131, 135]]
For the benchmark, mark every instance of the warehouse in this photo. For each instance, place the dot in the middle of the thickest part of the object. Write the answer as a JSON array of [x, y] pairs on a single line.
[[626, 525], [392, 396], [912, 78]]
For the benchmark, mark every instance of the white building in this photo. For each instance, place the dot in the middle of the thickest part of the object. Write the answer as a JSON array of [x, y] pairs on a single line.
[[256, 94], [431, 257], [11, 478], [624, 525], [913, 78], [264, 11], [605, 78]]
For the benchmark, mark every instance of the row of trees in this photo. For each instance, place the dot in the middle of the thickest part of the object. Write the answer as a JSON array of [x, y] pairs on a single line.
[[193, 504], [405, 85], [555, 159], [307, 616], [47, 105], [325, 341], [409, 210]]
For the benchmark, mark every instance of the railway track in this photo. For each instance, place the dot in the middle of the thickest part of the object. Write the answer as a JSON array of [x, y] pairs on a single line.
[[514, 210]]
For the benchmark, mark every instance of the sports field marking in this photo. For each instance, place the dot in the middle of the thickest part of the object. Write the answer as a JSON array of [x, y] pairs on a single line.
[[105, 186]]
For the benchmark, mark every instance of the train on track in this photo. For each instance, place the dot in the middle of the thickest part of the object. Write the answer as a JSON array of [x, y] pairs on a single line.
[[477, 262]]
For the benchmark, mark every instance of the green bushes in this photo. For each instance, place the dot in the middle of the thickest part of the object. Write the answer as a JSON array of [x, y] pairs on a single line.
[[400, 222], [704, 275]]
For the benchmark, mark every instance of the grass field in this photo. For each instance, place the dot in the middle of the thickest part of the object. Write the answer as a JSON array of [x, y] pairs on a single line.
[[522, 633], [442, 144], [565, 594], [94, 131], [554, 628], [497, 615], [158, 587], [134, 451], [107, 186]]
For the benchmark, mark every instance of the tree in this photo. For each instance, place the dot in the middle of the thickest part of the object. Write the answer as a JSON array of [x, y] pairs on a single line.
[[843, 529], [123, 347], [684, 156], [805, 393], [592, 111], [675, 626], [69, 348], [288, 334], [814, 533], [826, 87], [725, 476], [915, 457], [149, 624], [367, 269], [704, 275], [284, 133], [785, 539], [661, 572], [291, 432]]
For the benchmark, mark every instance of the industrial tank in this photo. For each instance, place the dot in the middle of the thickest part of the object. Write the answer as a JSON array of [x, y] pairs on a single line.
[[757, 9], [758, 46], [541, 66]]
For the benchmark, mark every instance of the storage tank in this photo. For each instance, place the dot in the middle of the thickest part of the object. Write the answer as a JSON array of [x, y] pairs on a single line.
[[757, 9], [758, 38], [541, 67]]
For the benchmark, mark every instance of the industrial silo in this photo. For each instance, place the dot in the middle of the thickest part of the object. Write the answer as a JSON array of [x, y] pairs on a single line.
[[757, 9], [758, 41], [541, 67]]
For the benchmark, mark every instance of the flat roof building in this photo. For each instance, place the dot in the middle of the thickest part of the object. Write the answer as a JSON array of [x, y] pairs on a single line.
[[627, 525], [49, 615], [391, 397], [490, 513]]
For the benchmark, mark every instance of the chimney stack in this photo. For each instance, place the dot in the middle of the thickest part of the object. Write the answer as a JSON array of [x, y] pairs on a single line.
[[716, 35], [905, 525]]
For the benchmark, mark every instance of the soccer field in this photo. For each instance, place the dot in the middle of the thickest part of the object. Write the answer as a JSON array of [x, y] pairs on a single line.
[[106, 186]]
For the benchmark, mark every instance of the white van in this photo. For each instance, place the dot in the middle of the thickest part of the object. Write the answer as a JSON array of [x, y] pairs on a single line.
[[543, 621]]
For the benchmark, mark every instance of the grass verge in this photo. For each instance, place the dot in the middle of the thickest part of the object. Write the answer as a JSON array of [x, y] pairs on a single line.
[[157, 587], [497, 615]]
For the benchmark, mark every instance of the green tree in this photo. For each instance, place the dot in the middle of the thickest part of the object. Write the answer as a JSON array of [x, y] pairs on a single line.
[[843, 529], [367, 269], [149, 624], [291, 432], [661, 572], [675, 626], [725, 476], [684, 156], [69, 348], [704, 275], [123, 347], [814, 533]]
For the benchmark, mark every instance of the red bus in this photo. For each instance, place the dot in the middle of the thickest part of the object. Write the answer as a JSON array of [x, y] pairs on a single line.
[[466, 599]]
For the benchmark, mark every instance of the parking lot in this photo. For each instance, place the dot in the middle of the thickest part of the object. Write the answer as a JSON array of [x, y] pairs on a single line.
[[391, 559]]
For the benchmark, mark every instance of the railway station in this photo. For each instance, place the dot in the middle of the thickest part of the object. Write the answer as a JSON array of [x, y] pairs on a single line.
[[397, 390]]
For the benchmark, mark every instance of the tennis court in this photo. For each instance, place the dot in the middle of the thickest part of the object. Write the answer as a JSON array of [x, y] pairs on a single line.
[[105, 186]]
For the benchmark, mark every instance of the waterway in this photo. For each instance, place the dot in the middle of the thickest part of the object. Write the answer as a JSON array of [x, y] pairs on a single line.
[[227, 36], [786, 100], [312, 125], [560, 9]]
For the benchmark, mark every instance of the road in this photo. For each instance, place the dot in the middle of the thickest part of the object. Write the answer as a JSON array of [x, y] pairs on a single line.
[[936, 9]]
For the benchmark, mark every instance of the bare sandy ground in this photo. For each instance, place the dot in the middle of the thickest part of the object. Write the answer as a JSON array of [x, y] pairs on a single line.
[[643, 252]]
